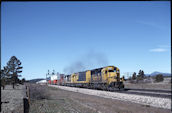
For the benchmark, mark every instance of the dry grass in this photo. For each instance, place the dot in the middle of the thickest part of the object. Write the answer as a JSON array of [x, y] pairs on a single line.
[[38, 92], [158, 86], [60, 101], [12, 99], [44, 99]]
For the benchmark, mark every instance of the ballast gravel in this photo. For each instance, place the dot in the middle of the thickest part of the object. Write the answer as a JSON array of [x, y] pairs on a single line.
[[145, 100]]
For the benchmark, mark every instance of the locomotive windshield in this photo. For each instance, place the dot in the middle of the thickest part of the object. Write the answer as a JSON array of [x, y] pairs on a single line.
[[112, 70]]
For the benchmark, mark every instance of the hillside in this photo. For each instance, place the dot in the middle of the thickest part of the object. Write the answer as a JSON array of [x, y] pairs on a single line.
[[156, 73], [35, 80]]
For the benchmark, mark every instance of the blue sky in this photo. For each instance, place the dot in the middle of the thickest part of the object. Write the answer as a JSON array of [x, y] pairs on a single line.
[[58, 35]]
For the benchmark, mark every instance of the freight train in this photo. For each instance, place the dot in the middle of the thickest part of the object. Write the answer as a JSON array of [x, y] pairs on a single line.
[[55, 79], [105, 78]]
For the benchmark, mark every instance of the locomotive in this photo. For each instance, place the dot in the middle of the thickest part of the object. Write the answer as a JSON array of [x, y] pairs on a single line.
[[105, 78]]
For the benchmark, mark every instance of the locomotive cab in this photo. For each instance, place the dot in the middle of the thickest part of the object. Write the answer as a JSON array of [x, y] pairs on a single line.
[[111, 75]]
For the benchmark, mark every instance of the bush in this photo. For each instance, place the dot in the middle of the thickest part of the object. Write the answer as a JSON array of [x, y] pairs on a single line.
[[38, 92], [3, 83], [159, 78]]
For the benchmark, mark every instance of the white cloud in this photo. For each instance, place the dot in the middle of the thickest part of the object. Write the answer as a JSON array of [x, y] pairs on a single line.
[[158, 50]]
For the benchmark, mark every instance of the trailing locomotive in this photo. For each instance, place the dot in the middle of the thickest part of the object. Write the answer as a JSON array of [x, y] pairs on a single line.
[[105, 78]]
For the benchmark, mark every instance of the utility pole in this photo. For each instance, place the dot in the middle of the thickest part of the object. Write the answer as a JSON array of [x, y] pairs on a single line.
[[53, 73], [46, 78], [48, 72], [47, 75]]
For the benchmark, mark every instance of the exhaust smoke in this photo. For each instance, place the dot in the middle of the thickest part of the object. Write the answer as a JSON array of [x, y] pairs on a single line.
[[88, 61]]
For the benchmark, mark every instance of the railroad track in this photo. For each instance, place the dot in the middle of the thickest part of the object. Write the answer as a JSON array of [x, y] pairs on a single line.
[[157, 99], [143, 92], [151, 90], [148, 93]]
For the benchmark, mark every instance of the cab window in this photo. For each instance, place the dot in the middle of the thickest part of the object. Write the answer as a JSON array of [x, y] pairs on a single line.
[[105, 72], [111, 70]]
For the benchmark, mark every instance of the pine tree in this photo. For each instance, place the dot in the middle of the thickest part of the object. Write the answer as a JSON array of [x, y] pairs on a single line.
[[142, 74], [23, 81], [4, 76], [14, 67], [134, 76], [159, 78]]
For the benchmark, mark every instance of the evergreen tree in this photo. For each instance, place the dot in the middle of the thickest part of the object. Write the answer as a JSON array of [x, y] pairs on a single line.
[[23, 81], [4, 75], [134, 76], [159, 78], [140, 75], [14, 67], [140, 72]]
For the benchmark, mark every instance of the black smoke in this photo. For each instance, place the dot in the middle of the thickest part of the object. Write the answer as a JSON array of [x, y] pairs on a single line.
[[90, 60]]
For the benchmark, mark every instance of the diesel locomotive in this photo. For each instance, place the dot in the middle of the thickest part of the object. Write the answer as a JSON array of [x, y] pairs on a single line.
[[105, 78]]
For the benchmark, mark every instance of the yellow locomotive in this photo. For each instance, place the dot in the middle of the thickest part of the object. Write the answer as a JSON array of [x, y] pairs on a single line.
[[105, 78]]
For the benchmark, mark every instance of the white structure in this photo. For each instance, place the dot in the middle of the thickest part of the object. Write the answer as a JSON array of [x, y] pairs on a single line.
[[41, 82], [55, 77]]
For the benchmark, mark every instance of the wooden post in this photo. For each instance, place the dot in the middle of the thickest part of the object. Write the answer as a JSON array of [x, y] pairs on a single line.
[[26, 101], [25, 105], [28, 95]]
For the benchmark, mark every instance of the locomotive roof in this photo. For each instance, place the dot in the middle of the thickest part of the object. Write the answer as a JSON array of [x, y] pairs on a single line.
[[92, 69]]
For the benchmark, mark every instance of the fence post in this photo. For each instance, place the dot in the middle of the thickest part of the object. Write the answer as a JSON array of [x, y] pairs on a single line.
[[26, 105], [26, 101]]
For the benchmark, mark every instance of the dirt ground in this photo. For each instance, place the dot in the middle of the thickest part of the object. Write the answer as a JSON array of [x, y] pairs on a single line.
[[157, 86], [12, 99], [46, 99]]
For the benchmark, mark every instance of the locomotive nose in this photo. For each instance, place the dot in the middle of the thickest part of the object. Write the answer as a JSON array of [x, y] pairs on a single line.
[[112, 74]]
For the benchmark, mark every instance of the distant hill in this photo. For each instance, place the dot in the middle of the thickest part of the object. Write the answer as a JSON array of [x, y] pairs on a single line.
[[35, 80], [156, 73]]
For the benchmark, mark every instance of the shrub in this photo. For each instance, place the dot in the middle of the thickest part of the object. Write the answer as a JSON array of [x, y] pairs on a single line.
[[159, 78]]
